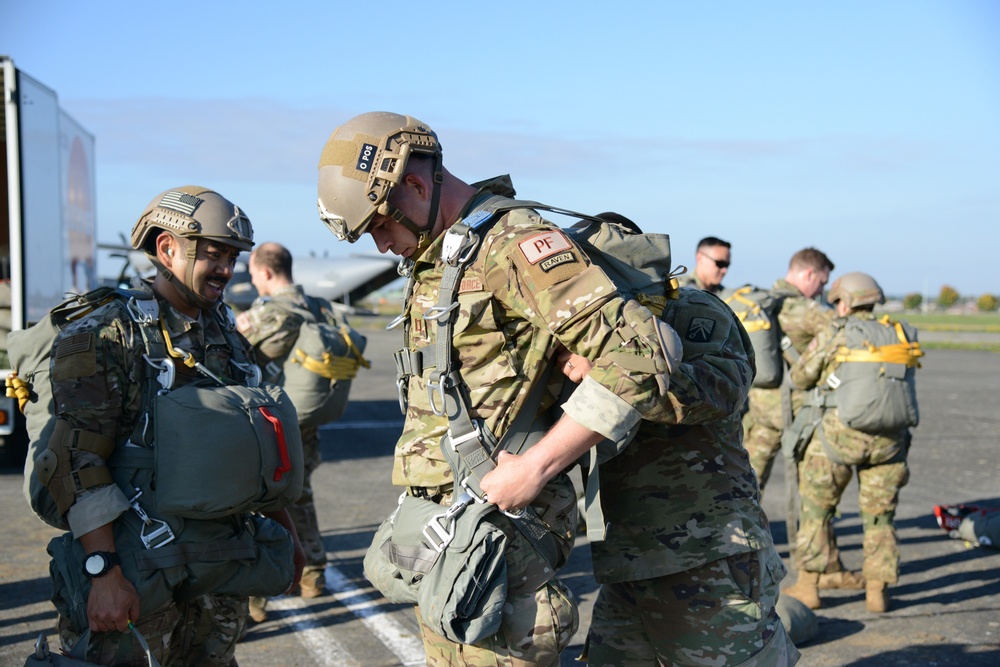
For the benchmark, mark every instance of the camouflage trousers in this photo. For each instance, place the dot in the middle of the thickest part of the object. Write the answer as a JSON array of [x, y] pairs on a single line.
[[199, 633], [303, 512], [881, 474], [763, 424], [721, 613], [534, 629]]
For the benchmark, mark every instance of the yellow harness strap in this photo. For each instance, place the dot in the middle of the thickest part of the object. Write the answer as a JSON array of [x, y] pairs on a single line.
[[754, 309], [904, 352], [330, 367], [19, 389]]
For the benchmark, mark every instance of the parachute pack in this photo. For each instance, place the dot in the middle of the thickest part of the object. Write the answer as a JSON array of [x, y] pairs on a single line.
[[757, 309], [873, 387], [318, 371], [241, 415]]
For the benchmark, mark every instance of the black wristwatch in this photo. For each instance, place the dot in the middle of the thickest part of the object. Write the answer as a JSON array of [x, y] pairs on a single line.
[[98, 563]]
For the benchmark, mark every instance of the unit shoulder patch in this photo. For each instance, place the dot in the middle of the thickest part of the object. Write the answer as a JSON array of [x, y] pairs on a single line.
[[546, 244], [700, 330]]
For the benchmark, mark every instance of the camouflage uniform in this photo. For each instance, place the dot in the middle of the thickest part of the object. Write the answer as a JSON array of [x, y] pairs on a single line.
[[825, 471], [273, 330], [512, 316], [692, 281], [688, 568], [104, 395], [801, 319]]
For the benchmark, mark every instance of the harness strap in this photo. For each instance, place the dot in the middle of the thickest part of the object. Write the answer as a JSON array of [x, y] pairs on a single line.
[[172, 555]]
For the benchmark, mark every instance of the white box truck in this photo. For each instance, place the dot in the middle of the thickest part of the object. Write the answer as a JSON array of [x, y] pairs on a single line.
[[48, 231]]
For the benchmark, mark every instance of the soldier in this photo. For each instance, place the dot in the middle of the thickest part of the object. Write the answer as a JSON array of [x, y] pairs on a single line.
[[525, 291], [862, 369], [711, 263], [182, 577], [801, 317], [272, 326], [671, 558], [972, 523]]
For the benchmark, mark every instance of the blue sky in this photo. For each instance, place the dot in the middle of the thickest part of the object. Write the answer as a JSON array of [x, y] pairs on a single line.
[[870, 130]]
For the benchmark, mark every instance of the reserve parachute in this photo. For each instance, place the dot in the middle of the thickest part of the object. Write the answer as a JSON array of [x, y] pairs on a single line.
[[873, 387], [757, 309], [317, 373]]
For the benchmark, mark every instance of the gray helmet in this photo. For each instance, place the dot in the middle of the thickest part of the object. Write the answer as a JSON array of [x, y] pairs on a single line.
[[361, 162], [856, 289], [193, 212]]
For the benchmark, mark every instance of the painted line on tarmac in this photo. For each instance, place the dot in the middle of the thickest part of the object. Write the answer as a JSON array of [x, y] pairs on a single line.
[[319, 641], [406, 646]]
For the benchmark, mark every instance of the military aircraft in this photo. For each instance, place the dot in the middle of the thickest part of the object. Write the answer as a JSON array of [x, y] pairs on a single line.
[[345, 280]]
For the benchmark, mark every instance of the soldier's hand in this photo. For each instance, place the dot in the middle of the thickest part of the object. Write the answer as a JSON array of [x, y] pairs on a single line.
[[112, 602], [513, 484], [572, 365]]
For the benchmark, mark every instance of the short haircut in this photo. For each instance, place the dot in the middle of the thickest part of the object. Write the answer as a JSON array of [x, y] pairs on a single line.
[[275, 257], [712, 242], [810, 258]]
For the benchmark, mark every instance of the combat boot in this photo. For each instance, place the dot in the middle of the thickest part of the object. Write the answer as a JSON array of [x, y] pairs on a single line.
[[806, 589], [313, 583], [876, 597], [843, 580], [258, 611]]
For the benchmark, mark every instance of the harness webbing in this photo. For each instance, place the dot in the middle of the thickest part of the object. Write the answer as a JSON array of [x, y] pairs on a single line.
[[905, 352]]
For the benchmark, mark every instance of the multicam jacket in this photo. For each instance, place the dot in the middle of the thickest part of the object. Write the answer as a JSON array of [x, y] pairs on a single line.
[[683, 493]]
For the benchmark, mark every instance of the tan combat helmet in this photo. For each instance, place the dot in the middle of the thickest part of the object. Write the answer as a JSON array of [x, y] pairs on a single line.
[[856, 289], [192, 212], [361, 163]]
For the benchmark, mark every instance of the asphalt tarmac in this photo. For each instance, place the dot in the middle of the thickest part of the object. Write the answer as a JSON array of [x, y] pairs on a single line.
[[945, 609]]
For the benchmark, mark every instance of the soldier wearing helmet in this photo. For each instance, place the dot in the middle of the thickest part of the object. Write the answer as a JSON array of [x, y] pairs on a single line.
[[862, 406], [801, 317], [110, 368], [526, 290]]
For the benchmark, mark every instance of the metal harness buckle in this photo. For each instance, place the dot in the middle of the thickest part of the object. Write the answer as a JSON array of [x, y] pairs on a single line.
[[439, 530], [166, 372], [436, 391], [159, 535], [144, 311]]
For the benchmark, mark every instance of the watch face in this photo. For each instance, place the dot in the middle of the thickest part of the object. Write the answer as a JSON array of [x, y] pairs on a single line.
[[95, 564]]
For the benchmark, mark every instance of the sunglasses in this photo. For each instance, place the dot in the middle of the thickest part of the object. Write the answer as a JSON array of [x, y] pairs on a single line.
[[719, 263]]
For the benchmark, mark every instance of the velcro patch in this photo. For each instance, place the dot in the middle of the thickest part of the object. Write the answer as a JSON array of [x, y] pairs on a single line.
[[700, 330], [75, 357], [538, 247], [550, 263], [365, 158], [470, 285]]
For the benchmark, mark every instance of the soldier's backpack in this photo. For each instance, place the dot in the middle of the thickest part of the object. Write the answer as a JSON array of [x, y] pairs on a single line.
[[317, 373], [757, 309], [873, 386]]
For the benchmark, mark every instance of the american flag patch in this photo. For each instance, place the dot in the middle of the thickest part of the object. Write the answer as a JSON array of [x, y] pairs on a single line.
[[181, 202]]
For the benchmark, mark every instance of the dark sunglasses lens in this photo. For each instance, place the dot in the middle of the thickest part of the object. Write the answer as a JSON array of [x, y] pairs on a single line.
[[722, 264]]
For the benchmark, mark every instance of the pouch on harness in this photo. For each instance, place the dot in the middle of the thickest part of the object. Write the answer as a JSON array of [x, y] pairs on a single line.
[[317, 373], [873, 387], [757, 309], [459, 581]]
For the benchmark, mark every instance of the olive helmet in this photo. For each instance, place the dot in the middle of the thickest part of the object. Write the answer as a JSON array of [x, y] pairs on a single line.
[[360, 164], [193, 212], [856, 289]]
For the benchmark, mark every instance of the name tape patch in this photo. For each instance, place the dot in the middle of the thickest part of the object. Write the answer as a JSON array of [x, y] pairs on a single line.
[[546, 244]]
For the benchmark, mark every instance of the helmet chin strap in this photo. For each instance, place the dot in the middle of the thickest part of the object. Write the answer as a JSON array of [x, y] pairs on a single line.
[[188, 295], [423, 234]]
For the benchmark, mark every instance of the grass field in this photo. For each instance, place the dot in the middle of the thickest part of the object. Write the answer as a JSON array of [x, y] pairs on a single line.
[[986, 322]]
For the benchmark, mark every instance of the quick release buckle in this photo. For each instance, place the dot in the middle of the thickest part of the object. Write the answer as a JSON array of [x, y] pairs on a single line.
[[476, 434], [143, 311], [157, 535], [440, 529]]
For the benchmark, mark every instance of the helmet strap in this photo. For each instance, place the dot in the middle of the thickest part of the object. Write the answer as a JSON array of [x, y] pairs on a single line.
[[423, 234], [186, 293]]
